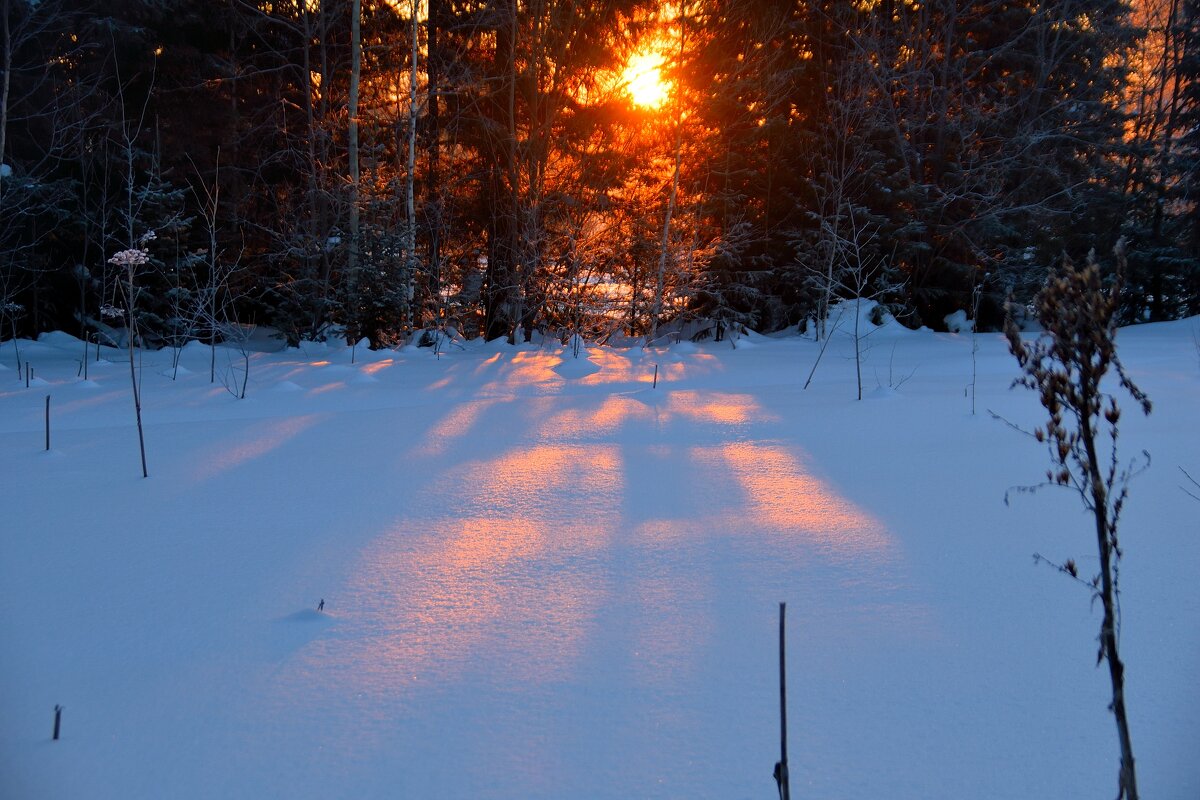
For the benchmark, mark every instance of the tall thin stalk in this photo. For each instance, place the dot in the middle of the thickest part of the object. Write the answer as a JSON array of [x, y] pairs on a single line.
[[1066, 366]]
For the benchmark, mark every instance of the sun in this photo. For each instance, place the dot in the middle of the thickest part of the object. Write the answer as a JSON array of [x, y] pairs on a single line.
[[643, 81]]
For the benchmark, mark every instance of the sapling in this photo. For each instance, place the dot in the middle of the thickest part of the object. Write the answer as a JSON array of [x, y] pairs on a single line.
[[129, 261], [824, 344], [1066, 365], [233, 332], [11, 311], [976, 295]]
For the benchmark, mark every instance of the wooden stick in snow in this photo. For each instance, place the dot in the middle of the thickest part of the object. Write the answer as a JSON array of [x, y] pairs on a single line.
[[781, 768]]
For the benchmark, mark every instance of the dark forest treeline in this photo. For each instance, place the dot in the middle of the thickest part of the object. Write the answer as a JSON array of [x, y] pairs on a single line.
[[494, 176]]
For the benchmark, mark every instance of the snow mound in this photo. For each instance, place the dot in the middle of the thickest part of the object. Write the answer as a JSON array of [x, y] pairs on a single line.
[[571, 367], [958, 322], [88, 384], [59, 339], [287, 386], [575, 346], [881, 393], [363, 378]]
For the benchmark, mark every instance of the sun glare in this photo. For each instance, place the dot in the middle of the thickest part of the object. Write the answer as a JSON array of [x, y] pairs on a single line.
[[643, 80]]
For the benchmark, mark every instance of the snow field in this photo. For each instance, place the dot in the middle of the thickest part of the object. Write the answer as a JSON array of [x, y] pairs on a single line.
[[545, 579]]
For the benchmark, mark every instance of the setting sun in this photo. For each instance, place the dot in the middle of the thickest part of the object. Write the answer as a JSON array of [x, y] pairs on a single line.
[[643, 80]]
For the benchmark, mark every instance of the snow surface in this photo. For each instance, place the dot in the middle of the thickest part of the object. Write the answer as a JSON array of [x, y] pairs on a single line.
[[545, 579]]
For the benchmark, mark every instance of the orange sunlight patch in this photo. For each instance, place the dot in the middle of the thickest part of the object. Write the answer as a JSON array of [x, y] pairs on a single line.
[[719, 407], [784, 496], [455, 425]]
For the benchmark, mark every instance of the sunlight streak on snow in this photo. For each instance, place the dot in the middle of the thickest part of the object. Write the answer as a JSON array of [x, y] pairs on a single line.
[[532, 368], [717, 407], [786, 498], [620, 367], [431, 603], [578, 423], [224, 456], [378, 366], [522, 369], [455, 425], [507, 571], [500, 572]]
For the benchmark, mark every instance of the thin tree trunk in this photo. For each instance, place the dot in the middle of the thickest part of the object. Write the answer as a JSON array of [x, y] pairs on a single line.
[[310, 117], [514, 180], [660, 279], [352, 258], [433, 202], [4, 91], [664, 246], [410, 243], [858, 341]]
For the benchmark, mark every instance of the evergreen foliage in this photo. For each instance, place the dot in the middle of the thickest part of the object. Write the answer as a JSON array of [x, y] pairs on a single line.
[[973, 140]]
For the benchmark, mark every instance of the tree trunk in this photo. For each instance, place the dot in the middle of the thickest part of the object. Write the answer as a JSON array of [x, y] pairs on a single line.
[[660, 280], [433, 195], [664, 246], [7, 34], [352, 257], [410, 239]]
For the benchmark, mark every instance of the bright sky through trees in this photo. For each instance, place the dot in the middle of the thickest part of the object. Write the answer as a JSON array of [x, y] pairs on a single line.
[[642, 78]]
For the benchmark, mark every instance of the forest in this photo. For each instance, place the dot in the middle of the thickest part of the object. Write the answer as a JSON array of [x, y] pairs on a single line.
[[174, 170]]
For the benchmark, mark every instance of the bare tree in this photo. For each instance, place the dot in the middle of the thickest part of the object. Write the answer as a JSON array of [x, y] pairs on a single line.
[[214, 292], [237, 335], [856, 269], [215, 301], [1066, 366], [11, 284]]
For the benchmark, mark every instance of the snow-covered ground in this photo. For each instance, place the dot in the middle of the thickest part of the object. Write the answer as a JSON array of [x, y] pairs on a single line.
[[544, 578]]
